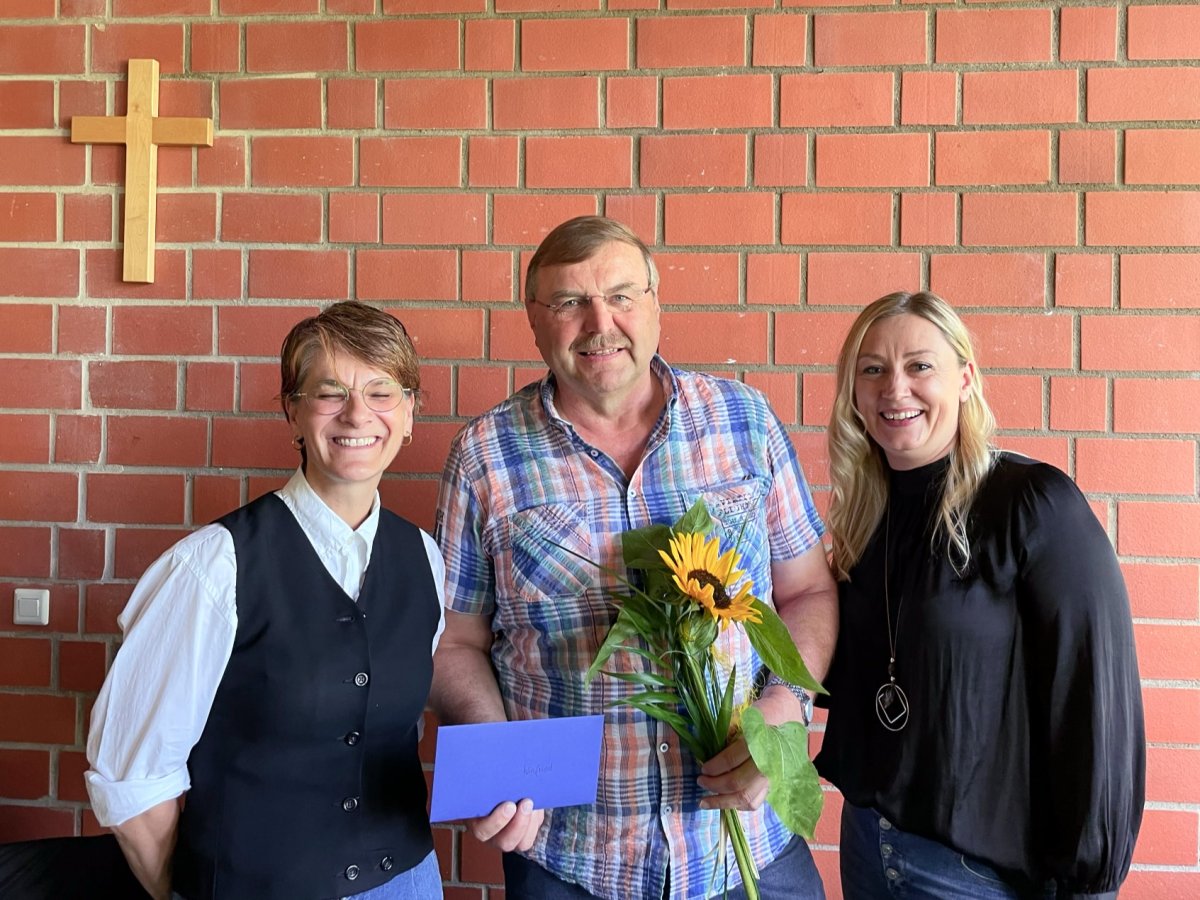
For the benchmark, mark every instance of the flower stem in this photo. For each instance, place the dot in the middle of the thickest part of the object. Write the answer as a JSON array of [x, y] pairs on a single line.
[[741, 852]]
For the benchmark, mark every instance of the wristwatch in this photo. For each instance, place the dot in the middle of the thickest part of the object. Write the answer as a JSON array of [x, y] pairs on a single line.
[[805, 698]]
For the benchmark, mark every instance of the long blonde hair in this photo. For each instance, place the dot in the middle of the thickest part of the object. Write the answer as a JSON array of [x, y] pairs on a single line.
[[860, 485]]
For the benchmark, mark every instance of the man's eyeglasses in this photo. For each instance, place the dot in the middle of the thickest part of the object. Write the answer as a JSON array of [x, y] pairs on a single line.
[[380, 395], [573, 306]]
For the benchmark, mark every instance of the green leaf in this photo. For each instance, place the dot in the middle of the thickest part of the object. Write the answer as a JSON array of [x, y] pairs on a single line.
[[778, 652], [639, 547], [725, 712], [781, 753], [646, 679], [698, 632], [695, 521], [622, 629]]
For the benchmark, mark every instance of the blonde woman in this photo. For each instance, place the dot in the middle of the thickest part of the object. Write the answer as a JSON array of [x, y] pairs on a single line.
[[985, 724]]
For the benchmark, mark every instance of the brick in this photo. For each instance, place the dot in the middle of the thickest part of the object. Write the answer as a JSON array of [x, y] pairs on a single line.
[[393, 7], [55, 382], [525, 219], [80, 98], [162, 330], [1172, 714], [215, 47], [434, 219], [1162, 156], [449, 103], [136, 548], [927, 219], [258, 387], [216, 274], [492, 161], [350, 7], [435, 390], [114, 45], [687, 338], [855, 279], [81, 553], [573, 45], [1087, 33], [252, 444], [24, 774], [430, 447], [1173, 773], [839, 218], [869, 39], [697, 277], [509, 339], [480, 388], [81, 329], [1135, 466], [928, 98], [274, 218], [1052, 450], [406, 45], [1167, 836], [144, 8], [41, 49], [631, 102], [78, 8], [71, 766], [992, 157], [296, 46], [557, 6], [1163, 32], [208, 386], [690, 42], [1019, 220], [836, 99], [1083, 280], [26, 328], [546, 103], [712, 219], [27, 823], [87, 217], [351, 103], [780, 160], [989, 279], [103, 605], [354, 218], [487, 275], [135, 499], [213, 496], [1087, 157], [26, 104], [36, 718], [1143, 93], [993, 35], [25, 438], [299, 274], [1020, 97], [132, 385], [1143, 218], [637, 211], [184, 218], [872, 160], [1016, 400], [578, 161], [38, 273], [1160, 280], [104, 280], [446, 334], [156, 441], [80, 665], [256, 330], [810, 339], [324, 161], [1159, 529], [1021, 341], [406, 274], [1078, 404], [780, 40], [780, 390], [77, 439], [40, 160], [27, 555], [1121, 343], [24, 662], [224, 163], [1164, 591], [490, 45], [711, 101], [270, 103]]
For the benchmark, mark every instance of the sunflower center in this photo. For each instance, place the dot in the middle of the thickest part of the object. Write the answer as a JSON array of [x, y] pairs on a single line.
[[721, 600]]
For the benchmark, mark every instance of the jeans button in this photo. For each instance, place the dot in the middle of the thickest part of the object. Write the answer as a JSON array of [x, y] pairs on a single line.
[[885, 824], [892, 874], [886, 849]]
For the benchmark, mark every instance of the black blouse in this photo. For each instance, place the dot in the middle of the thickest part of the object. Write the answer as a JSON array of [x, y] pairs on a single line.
[[1024, 745]]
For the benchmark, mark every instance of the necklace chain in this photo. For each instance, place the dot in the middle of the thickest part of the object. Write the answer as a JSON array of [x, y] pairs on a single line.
[[887, 601], [891, 704]]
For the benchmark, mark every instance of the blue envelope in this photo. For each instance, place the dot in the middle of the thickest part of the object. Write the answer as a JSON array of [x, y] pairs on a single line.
[[554, 762]]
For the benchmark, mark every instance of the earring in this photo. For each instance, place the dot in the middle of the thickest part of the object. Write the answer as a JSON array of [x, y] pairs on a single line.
[[297, 442], [407, 440]]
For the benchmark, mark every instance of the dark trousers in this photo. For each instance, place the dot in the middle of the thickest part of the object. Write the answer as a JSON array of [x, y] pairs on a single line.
[[791, 876]]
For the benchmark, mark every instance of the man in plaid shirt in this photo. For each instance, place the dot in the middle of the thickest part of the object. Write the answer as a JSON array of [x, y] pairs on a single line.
[[612, 439]]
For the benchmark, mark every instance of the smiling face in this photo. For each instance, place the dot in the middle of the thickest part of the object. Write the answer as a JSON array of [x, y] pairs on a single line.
[[348, 451], [599, 358], [908, 386]]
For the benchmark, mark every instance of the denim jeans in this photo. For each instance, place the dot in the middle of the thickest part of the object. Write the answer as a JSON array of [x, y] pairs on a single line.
[[792, 875], [881, 862]]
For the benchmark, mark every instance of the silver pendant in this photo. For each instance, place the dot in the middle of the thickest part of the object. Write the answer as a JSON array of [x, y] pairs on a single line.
[[891, 705]]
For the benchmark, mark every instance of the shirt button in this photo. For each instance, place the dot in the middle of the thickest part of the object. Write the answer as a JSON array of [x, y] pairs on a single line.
[[664, 747], [351, 872], [352, 738], [892, 874], [595, 453], [387, 863], [668, 808], [361, 678], [350, 804], [885, 824]]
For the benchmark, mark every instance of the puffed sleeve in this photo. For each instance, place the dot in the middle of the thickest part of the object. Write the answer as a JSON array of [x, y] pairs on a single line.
[[1088, 753]]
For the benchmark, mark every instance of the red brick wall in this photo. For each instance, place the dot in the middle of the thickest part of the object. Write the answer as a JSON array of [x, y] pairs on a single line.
[[1036, 163]]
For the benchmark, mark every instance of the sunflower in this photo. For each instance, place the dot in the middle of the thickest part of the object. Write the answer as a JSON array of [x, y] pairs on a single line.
[[705, 574]]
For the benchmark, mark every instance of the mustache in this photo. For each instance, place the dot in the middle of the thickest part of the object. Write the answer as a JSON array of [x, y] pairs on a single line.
[[603, 342]]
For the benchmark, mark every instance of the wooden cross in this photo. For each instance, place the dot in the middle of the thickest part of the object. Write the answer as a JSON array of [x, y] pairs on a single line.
[[142, 132]]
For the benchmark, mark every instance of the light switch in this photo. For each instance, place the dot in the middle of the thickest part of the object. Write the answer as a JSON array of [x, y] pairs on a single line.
[[31, 606]]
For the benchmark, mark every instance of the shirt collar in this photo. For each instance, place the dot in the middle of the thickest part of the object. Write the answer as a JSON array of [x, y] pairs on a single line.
[[658, 366], [322, 524]]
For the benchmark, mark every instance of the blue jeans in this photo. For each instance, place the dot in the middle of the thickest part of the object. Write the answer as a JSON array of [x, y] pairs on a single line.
[[881, 862], [792, 875], [422, 882]]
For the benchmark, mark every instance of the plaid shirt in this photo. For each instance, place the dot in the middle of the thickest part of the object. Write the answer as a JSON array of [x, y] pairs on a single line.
[[520, 489]]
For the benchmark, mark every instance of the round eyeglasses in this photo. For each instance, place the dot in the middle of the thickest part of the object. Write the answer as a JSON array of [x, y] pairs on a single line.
[[574, 306], [380, 395]]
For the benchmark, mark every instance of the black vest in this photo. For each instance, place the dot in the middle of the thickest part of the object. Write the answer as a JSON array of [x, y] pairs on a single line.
[[306, 781]]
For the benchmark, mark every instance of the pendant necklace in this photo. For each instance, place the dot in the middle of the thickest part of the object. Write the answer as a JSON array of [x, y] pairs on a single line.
[[891, 704]]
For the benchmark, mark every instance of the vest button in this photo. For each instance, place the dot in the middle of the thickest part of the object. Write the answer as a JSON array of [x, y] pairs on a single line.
[[352, 737], [351, 872], [361, 678], [387, 863], [350, 804]]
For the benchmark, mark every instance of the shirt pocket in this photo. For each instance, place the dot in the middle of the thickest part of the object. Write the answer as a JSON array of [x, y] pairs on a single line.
[[738, 512], [544, 552]]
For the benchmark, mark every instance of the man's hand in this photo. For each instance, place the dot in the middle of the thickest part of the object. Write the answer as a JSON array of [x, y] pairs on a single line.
[[510, 826], [733, 778]]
